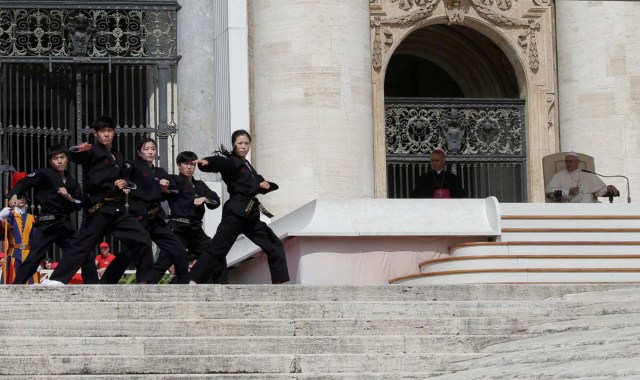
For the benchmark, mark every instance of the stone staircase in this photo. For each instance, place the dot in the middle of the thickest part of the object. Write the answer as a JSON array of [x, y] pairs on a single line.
[[319, 332], [546, 243]]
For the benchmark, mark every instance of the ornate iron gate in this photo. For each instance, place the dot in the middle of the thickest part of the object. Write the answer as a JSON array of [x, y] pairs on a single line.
[[484, 140], [64, 63]]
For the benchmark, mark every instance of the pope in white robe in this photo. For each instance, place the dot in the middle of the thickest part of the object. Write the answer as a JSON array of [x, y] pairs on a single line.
[[577, 186]]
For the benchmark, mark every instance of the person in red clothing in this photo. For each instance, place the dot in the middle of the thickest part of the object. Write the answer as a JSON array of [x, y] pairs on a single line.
[[76, 279], [104, 258]]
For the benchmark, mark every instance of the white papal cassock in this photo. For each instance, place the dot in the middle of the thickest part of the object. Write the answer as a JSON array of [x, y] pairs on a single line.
[[589, 186]]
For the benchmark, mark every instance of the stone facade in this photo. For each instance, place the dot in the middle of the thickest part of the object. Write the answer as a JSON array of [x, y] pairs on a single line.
[[599, 82], [522, 30], [310, 73], [317, 71]]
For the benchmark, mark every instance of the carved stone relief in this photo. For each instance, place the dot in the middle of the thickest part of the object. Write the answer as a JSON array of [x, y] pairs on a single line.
[[500, 13]]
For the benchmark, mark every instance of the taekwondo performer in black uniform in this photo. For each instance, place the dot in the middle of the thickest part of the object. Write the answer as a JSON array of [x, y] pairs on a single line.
[[58, 195], [104, 183], [152, 183], [241, 214], [187, 200]]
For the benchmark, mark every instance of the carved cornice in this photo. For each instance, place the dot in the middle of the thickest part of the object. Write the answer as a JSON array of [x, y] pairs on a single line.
[[497, 12]]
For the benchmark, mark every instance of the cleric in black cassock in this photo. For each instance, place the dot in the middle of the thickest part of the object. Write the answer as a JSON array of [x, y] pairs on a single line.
[[437, 182]]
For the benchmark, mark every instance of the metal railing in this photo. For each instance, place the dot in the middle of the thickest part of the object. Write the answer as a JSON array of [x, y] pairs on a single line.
[[484, 140]]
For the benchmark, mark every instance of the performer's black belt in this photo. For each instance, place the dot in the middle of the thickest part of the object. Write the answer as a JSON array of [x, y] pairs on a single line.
[[254, 202], [186, 220], [113, 198], [153, 210], [57, 218], [46, 218]]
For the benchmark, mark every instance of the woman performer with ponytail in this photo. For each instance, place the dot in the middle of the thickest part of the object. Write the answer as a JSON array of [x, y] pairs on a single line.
[[240, 214], [152, 183]]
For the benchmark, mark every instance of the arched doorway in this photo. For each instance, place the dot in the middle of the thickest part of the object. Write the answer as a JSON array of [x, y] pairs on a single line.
[[521, 32], [450, 87]]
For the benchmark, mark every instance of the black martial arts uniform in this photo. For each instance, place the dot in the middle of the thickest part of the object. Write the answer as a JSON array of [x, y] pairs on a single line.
[[104, 212], [186, 219], [144, 204], [53, 223], [240, 215]]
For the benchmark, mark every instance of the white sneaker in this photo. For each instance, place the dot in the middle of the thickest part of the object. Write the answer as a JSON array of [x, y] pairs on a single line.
[[48, 282]]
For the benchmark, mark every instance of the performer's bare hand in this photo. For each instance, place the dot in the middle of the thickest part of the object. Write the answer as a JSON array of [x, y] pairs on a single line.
[[63, 191], [200, 201], [201, 162], [573, 191], [120, 184], [164, 185], [264, 185], [85, 146]]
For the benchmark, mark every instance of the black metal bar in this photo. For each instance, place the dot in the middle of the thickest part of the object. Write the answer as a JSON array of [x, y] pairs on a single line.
[[114, 4], [163, 125]]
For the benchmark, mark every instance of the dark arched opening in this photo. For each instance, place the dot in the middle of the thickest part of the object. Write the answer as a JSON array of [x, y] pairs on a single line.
[[451, 87]]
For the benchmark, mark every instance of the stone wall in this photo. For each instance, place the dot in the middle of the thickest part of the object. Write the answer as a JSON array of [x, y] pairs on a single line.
[[599, 85], [311, 99]]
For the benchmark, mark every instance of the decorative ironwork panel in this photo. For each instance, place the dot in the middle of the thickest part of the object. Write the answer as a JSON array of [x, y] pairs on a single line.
[[93, 33], [478, 129], [484, 140]]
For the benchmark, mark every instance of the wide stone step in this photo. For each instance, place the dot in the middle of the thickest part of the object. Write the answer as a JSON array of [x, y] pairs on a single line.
[[245, 376], [545, 248], [278, 310], [227, 364], [152, 346], [293, 293], [268, 327], [524, 275], [610, 353], [529, 261], [531, 234]]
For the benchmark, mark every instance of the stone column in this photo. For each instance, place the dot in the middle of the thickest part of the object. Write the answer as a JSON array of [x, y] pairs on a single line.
[[196, 82], [599, 85], [311, 99]]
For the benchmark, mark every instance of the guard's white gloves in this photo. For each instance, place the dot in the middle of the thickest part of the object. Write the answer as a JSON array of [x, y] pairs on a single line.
[[5, 213]]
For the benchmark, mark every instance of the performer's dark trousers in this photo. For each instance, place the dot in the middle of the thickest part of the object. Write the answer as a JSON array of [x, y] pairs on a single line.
[[43, 236], [171, 247], [94, 225], [192, 237], [228, 230]]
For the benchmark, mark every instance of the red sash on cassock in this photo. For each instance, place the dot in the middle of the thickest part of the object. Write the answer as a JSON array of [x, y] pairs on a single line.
[[441, 193]]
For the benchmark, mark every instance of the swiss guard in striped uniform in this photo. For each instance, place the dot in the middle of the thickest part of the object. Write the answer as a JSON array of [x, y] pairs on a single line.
[[17, 225]]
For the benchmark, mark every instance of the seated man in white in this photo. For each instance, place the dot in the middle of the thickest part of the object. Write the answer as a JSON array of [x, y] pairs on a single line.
[[573, 185]]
